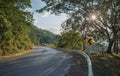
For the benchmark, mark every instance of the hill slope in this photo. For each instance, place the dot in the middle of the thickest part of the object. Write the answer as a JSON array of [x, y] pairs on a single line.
[[40, 36]]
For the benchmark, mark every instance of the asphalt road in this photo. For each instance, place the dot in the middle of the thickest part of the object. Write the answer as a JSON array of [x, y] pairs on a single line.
[[42, 61]]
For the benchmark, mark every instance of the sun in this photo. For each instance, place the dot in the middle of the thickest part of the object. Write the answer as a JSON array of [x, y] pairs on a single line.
[[93, 17]]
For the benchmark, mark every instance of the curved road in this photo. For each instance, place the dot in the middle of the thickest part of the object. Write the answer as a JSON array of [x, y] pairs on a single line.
[[42, 61]]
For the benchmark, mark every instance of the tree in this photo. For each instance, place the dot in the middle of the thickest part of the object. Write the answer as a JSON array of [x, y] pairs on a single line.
[[70, 39], [80, 11], [109, 20], [40, 36], [15, 24]]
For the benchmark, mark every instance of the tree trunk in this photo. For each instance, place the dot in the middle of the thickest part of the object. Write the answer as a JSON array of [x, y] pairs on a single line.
[[116, 49], [109, 49]]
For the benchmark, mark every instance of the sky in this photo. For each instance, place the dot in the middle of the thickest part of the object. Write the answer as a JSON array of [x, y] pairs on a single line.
[[46, 20]]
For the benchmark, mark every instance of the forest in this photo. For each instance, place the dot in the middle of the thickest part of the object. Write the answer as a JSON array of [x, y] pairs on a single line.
[[98, 20], [43, 37], [17, 31]]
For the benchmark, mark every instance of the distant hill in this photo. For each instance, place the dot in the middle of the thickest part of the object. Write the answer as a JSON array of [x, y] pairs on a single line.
[[40, 36]]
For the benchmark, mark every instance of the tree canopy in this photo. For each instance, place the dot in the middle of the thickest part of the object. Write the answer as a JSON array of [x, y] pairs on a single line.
[[107, 12], [41, 36], [15, 24], [70, 39]]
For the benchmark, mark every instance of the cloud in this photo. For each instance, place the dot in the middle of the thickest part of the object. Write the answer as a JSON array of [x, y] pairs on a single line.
[[36, 22], [45, 14], [29, 9], [54, 30]]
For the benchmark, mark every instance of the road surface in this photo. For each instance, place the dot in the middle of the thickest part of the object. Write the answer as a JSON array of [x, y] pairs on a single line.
[[42, 61]]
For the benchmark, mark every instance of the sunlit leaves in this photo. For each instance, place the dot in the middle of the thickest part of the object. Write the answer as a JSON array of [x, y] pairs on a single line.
[[79, 11], [15, 23], [70, 39]]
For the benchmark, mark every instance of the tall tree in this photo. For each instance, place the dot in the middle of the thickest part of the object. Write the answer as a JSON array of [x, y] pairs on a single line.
[[110, 21], [80, 11], [70, 39], [15, 23]]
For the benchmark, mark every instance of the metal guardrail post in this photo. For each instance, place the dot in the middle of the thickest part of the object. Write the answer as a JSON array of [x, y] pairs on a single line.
[[90, 72]]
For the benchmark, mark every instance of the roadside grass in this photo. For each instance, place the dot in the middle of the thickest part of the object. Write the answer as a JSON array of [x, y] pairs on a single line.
[[103, 64], [18, 53], [106, 64]]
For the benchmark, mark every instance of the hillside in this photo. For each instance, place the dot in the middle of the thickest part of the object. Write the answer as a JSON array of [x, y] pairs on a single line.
[[41, 36]]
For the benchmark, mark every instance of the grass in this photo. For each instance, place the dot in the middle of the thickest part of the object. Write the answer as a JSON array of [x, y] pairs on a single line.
[[103, 64], [21, 52]]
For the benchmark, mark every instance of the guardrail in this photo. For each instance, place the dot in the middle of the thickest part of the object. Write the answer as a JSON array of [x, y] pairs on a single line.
[[90, 71]]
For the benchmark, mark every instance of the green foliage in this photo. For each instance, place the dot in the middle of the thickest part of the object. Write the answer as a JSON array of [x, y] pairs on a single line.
[[40, 36], [15, 24], [71, 40], [106, 25]]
